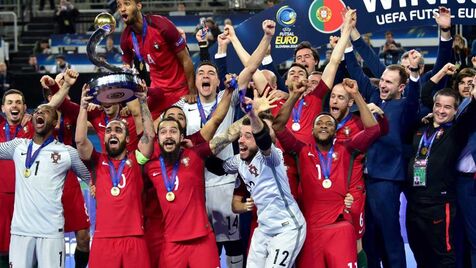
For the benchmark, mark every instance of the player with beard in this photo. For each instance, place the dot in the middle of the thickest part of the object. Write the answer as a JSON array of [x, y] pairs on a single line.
[[98, 118], [152, 213], [328, 189], [154, 40], [41, 165], [118, 189], [14, 108], [75, 213]]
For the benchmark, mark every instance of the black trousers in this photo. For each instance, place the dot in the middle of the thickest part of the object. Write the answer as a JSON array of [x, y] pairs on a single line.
[[430, 234]]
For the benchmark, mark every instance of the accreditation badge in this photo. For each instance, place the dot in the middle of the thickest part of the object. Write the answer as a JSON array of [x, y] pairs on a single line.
[[419, 173]]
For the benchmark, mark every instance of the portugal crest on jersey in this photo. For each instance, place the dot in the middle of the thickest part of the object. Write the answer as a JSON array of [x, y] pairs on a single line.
[[55, 156]]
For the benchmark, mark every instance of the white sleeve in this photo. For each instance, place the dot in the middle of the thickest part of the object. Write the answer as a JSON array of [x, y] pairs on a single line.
[[231, 164], [275, 158], [8, 148], [77, 165]]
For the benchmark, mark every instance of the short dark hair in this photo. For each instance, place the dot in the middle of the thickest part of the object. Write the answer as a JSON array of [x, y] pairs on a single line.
[[466, 72], [316, 73], [295, 64], [52, 109], [170, 119], [307, 44], [401, 71], [325, 113], [13, 91], [206, 62], [262, 115], [449, 92], [388, 33], [126, 127]]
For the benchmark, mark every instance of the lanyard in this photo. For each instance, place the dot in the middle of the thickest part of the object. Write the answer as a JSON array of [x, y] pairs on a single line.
[[326, 162], [31, 158], [135, 43], [426, 142], [169, 181], [344, 121], [202, 111], [297, 113], [116, 174], [7, 131]]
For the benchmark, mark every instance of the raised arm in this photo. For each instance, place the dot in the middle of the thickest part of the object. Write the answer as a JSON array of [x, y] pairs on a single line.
[[368, 120], [78, 166], [83, 144], [295, 92], [429, 87], [146, 143], [209, 129], [219, 142], [329, 72], [57, 98], [254, 61]]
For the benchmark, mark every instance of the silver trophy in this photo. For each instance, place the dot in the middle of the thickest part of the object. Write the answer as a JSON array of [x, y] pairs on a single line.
[[121, 84]]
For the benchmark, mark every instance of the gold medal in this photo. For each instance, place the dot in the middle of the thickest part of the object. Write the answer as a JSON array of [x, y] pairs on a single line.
[[326, 183], [424, 151], [27, 173], [115, 191], [170, 196], [141, 66]]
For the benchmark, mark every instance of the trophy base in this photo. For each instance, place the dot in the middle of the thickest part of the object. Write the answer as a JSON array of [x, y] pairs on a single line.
[[114, 88]]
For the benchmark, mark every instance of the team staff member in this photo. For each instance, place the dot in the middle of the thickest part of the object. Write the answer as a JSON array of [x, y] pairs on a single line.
[[385, 158], [328, 189], [431, 192], [118, 189], [41, 165], [14, 108], [155, 40]]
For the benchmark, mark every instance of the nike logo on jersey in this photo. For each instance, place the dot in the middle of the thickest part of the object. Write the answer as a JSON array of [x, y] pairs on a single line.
[[22, 153], [437, 221], [155, 174], [309, 154], [192, 109], [101, 125], [361, 231], [104, 163]]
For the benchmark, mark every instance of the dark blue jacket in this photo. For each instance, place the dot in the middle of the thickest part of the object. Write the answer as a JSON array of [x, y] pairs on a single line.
[[385, 158]]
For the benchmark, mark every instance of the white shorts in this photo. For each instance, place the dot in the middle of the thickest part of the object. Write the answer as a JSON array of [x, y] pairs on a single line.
[[25, 251], [279, 250], [226, 224]]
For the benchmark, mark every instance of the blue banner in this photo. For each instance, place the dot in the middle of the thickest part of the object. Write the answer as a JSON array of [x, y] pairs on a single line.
[[316, 20]]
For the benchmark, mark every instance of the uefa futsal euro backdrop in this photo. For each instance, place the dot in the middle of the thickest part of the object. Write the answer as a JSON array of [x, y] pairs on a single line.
[[121, 84]]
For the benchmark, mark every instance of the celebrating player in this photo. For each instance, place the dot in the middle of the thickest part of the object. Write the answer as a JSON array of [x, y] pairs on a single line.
[[118, 187], [41, 165]]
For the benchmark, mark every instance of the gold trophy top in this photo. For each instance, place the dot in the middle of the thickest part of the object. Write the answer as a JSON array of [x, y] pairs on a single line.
[[103, 19]]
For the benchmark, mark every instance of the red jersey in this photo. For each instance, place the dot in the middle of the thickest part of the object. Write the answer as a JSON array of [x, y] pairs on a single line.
[[7, 182], [99, 120], [65, 132], [185, 218], [312, 106], [120, 215], [162, 43], [323, 206]]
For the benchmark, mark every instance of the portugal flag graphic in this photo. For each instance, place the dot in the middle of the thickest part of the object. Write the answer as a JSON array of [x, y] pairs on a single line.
[[326, 15]]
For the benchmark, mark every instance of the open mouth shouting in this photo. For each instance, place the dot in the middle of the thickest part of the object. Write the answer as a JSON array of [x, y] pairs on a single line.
[[169, 145]]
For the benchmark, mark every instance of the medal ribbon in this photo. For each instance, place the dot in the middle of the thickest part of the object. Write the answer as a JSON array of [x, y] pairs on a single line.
[[426, 142], [61, 130], [31, 158], [297, 113], [326, 162], [169, 181], [135, 43], [116, 175], [344, 121], [202, 111], [7, 131]]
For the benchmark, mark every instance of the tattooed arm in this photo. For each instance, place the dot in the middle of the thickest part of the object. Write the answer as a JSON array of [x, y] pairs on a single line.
[[146, 143], [219, 142]]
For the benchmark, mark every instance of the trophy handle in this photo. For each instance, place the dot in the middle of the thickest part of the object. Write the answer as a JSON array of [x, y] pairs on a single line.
[[94, 40]]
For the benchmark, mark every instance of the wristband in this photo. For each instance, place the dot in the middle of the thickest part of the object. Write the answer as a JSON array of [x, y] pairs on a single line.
[[203, 44], [414, 69], [445, 29]]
